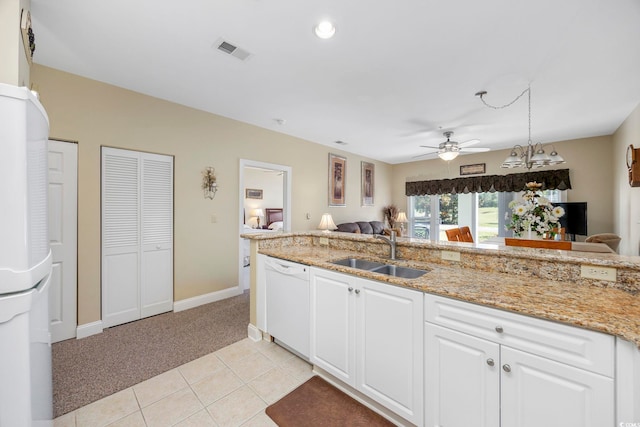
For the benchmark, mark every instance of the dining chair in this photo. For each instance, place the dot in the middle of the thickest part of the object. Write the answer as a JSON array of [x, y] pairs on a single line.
[[465, 234], [453, 235]]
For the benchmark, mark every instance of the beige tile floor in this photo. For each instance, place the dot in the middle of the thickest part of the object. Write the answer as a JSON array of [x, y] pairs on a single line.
[[230, 387]]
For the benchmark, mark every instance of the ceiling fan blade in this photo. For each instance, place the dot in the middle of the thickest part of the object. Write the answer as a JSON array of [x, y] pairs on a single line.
[[474, 150], [429, 146], [425, 154], [468, 143]]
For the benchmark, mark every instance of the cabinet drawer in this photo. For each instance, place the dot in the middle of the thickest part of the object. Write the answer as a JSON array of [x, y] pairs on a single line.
[[593, 351]]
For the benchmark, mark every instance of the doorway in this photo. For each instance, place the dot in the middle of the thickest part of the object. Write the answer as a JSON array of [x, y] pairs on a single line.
[[247, 218]]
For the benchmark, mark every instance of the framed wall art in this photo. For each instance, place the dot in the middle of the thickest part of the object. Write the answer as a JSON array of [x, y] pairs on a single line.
[[367, 189], [475, 169], [337, 180], [252, 193]]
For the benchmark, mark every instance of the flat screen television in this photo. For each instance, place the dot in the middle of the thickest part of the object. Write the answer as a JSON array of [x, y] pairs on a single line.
[[574, 220]]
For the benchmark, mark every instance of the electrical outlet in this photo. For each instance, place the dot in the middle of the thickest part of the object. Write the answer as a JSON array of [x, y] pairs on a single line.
[[324, 241], [450, 255], [599, 273]]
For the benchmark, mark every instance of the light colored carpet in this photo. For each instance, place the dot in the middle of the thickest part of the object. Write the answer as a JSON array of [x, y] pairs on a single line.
[[91, 368]]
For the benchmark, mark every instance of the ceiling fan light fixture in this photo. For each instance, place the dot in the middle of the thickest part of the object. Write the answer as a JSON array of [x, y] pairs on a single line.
[[448, 155]]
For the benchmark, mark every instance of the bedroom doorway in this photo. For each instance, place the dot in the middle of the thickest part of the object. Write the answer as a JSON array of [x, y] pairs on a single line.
[[264, 189]]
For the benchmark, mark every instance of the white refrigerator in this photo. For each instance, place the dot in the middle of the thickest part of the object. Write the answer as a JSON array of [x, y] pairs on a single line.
[[25, 261]]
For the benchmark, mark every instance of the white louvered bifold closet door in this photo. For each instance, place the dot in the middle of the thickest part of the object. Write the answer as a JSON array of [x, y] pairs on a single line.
[[157, 234], [137, 214]]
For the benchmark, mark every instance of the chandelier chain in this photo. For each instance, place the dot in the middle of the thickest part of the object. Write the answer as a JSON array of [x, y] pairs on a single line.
[[500, 107]]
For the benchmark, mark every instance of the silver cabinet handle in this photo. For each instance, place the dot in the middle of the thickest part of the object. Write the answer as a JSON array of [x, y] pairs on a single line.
[[506, 368], [490, 362], [357, 291], [350, 289], [499, 329]]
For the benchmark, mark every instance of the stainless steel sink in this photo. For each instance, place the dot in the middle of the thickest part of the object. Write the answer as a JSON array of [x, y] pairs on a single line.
[[360, 264], [397, 271], [379, 267]]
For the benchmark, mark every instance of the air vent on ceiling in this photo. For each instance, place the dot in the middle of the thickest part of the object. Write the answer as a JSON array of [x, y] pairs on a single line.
[[231, 49]]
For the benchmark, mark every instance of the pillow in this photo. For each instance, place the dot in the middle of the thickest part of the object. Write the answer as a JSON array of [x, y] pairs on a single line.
[[377, 226], [365, 227], [276, 225], [348, 227]]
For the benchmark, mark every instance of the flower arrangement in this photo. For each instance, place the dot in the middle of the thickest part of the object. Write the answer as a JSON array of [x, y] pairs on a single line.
[[535, 213]]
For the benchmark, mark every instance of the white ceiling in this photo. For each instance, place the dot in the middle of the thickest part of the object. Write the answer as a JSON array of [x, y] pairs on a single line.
[[394, 77]]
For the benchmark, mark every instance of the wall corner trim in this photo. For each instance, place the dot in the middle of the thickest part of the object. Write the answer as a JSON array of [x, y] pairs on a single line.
[[89, 329]]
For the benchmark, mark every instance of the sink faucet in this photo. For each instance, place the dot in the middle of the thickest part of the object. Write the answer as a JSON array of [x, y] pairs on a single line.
[[391, 242]]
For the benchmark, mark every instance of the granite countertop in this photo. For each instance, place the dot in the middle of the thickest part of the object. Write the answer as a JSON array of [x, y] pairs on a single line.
[[607, 310]]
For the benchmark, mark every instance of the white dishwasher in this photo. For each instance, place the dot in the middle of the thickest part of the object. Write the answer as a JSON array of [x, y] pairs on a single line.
[[287, 301]]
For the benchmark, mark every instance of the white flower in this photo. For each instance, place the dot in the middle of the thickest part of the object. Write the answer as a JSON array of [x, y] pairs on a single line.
[[558, 211], [520, 210]]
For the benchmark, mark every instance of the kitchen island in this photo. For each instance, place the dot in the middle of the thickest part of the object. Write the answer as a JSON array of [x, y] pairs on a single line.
[[541, 284]]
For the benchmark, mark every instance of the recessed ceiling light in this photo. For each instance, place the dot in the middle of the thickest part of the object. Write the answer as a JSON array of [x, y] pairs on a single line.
[[325, 30]]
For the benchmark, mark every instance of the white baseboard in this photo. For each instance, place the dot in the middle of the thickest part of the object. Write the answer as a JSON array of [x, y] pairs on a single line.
[[254, 333], [89, 329], [194, 302]]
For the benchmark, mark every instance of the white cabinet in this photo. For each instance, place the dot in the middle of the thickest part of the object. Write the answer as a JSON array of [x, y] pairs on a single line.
[[370, 335], [522, 371], [462, 379]]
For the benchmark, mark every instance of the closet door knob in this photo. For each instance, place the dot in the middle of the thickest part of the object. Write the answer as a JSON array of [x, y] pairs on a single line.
[[490, 362], [350, 289], [506, 368], [499, 329], [357, 291]]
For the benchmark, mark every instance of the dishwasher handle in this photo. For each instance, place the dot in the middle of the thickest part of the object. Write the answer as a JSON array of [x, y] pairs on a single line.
[[283, 268]]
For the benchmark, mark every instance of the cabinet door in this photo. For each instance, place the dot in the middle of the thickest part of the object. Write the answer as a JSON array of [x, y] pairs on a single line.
[[389, 333], [541, 392], [333, 324], [462, 379]]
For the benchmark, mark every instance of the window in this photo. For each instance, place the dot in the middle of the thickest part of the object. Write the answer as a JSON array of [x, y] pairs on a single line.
[[487, 214]]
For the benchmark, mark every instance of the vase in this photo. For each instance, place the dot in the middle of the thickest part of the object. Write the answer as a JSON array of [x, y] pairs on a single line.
[[532, 235]]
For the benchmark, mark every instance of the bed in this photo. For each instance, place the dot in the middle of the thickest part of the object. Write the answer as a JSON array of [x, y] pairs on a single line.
[[273, 218]]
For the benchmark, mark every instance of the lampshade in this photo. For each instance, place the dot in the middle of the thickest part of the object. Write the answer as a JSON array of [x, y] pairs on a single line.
[[402, 217], [326, 223], [258, 212], [448, 155]]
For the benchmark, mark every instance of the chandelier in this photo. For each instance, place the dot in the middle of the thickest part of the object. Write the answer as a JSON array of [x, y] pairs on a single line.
[[531, 155]]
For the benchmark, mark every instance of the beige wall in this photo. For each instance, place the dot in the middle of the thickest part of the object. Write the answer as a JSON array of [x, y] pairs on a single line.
[[589, 161], [206, 253], [15, 67], [626, 198]]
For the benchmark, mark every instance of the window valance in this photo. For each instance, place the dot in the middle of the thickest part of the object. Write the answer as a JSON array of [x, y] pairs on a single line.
[[557, 179]]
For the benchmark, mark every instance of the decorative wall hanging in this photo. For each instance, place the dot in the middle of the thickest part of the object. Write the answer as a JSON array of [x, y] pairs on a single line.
[[209, 184], [253, 193], [367, 183], [28, 38], [337, 180], [476, 169]]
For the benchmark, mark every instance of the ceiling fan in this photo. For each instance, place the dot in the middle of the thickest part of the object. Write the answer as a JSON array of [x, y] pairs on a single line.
[[449, 150]]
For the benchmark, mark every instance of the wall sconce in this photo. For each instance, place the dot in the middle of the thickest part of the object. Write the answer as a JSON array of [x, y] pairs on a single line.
[[402, 220], [326, 223], [209, 184]]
